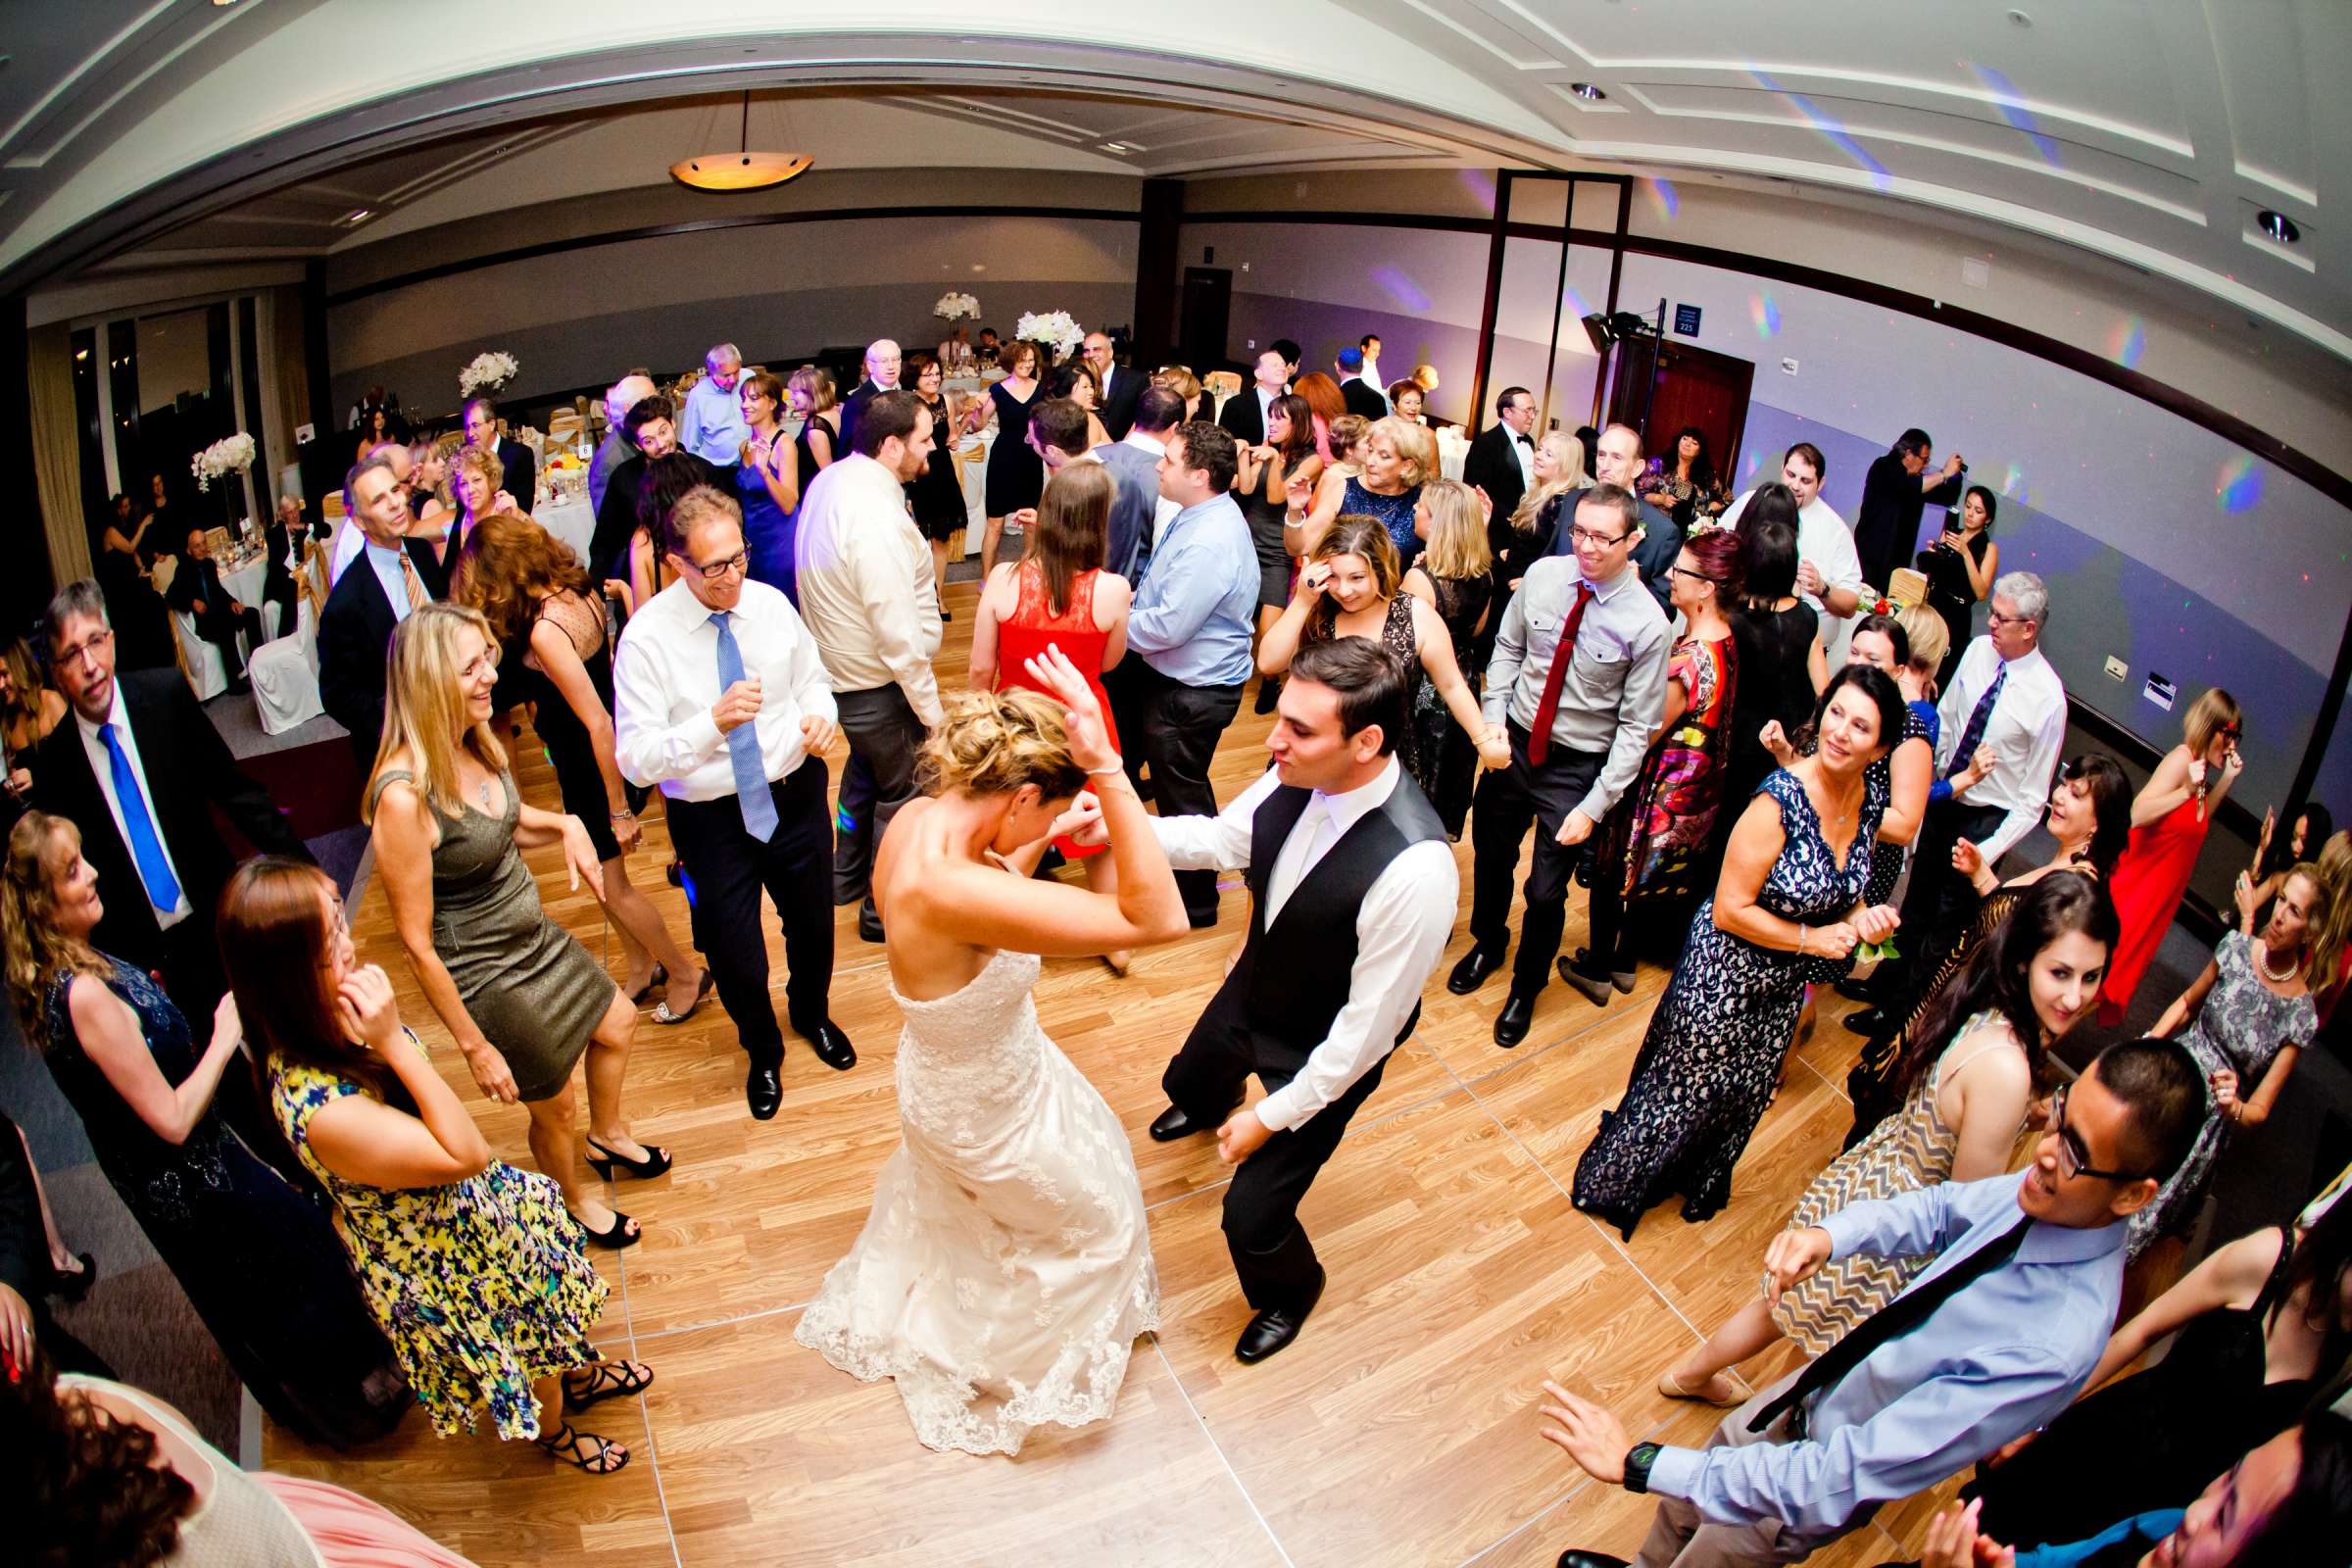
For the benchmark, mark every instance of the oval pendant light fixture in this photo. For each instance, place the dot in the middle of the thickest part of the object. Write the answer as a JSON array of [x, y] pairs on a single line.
[[741, 170]]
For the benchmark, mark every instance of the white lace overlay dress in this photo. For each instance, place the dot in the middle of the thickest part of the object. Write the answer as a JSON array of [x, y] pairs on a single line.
[[1005, 1270]]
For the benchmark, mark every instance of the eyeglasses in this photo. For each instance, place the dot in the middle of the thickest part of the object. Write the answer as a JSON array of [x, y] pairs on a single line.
[[1994, 618], [722, 569], [97, 643], [1695, 576], [2073, 1156], [1586, 536]]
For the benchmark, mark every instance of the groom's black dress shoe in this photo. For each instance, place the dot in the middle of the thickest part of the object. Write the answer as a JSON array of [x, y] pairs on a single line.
[[1590, 1559], [1518, 1015], [1471, 973], [831, 1046], [763, 1090], [1173, 1124], [1276, 1327]]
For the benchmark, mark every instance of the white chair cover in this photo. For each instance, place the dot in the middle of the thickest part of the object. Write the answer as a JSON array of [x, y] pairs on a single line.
[[285, 676], [206, 674]]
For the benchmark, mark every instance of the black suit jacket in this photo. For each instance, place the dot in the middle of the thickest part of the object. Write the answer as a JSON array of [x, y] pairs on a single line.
[[1361, 398], [1241, 418], [1117, 413], [354, 631], [1887, 527], [852, 407], [189, 771], [522, 479], [277, 577], [1490, 467], [193, 580]]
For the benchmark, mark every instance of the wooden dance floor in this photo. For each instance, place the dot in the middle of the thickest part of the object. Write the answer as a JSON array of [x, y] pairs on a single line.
[[1401, 1428]]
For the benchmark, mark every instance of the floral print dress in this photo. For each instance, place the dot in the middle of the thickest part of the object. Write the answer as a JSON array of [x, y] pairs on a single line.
[[483, 1286]]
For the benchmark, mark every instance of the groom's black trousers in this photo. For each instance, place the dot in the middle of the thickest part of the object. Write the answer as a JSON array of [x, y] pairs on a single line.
[[1271, 1251]]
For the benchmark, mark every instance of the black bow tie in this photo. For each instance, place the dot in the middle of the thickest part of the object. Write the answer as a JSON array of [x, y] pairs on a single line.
[[1523, 441]]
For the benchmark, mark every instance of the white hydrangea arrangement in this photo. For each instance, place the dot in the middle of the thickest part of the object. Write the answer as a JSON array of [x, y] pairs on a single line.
[[489, 371], [231, 454], [1054, 330], [954, 306]]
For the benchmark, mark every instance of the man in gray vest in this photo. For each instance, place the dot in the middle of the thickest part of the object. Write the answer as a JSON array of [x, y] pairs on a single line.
[[1353, 892]]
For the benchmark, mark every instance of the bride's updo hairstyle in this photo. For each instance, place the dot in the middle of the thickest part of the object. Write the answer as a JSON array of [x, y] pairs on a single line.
[[991, 743]]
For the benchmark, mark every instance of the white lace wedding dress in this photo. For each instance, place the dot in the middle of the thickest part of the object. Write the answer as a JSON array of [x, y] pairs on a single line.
[[1005, 1271]]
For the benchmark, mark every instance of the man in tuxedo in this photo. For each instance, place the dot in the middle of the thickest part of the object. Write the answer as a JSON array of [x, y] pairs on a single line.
[[1993, 1341], [1894, 492], [1371, 344], [1501, 462], [881, 375], [1361, 396], [140, 770], [1139, 510], [516, 462], [393, 574], [1121, 385], [1353, 889], [1617, 461], [1243, 415], [196, 592]]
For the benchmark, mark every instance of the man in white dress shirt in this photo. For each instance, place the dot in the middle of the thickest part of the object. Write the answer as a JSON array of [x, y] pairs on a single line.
[[1829, 571], [872, 604], [719, 698], [712, 426], [1354, 889], [2003, 730]]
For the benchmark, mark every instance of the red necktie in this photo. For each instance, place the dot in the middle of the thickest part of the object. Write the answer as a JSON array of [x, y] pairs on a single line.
[[1539, 739]]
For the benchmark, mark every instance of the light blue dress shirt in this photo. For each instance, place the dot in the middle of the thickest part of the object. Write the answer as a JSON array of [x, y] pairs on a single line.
[[1999, 1358], [711, 427], [385, 562], [1197, 605]]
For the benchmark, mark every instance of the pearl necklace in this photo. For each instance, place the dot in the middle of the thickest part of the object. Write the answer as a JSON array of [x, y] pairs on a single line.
[[2293, 964]]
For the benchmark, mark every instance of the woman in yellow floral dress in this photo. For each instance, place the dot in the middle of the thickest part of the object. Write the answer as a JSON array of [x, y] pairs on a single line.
[[474, 1269]]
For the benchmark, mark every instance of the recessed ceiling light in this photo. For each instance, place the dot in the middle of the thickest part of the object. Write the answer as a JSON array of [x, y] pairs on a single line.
[[1587, 91], [2020, 19], [2277, 225], [357, 215]]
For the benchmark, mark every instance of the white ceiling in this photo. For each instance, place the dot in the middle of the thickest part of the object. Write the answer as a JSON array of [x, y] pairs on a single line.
[[2148, 130]]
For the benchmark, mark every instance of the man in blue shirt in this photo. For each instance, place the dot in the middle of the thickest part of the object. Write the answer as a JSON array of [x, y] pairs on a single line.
[[712, 426], [2006, 1340], [1194, 614]]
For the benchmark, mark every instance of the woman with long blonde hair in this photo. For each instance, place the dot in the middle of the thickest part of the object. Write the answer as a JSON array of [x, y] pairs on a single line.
[[522, 1000], [1520, 539], [260, 1265], [1454, 577]]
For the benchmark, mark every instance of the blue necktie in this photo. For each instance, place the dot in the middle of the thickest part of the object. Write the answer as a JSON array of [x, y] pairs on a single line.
[[146, 849], [742, 744], [1979, 716]]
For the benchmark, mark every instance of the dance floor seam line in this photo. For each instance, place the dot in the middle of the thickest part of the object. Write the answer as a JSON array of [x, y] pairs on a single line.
[[1186, 1394]]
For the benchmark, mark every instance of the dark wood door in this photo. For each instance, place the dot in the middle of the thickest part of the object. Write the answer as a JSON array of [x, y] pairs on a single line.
[[1207, 311], [1695, 386]]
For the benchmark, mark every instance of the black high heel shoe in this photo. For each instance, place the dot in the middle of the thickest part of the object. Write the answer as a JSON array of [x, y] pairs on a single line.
[[660, 978], [643, 1168], [73, 1287], [613, 1238]]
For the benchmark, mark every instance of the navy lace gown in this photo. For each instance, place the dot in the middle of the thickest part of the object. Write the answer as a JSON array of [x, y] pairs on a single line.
[[257, 1260], [1714, 1046]]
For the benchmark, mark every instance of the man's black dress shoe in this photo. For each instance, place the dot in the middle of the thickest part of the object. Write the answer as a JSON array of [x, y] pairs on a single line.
[[1276, 1327], [1865, 1022], [1853, 990], [1518, 1015], [1173, 1124], [831, 1046], [1201, 919], [763, 1090], [1590, 1559], [1471, 973], [869, 925]]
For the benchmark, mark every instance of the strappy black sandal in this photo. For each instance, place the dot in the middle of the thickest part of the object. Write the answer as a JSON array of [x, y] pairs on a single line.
[[602, 1160], [614, 1237], [566, 1447], [607, 1380], [659, 979]]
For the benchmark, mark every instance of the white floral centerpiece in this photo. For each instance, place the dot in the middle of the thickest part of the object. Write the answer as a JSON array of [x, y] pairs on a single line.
[[489, 373], [1054, 330], [954, 306], [231, 454]]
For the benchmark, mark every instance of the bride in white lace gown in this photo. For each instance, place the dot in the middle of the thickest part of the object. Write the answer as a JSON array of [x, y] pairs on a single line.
[[1005, 1270]]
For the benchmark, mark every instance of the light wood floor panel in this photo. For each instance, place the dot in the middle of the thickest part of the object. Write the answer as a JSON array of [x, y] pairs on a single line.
[[1400, 1428]]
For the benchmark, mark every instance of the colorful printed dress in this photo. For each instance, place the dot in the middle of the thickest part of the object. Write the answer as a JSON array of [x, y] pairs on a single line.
[[1658, 835], [484, 1285]]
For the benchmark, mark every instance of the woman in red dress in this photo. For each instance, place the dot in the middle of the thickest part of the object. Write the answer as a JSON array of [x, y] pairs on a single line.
[[2168, 821], [1058, 594]]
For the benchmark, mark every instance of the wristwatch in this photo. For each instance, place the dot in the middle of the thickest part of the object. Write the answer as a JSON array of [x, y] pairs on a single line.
[[1637, 1461]]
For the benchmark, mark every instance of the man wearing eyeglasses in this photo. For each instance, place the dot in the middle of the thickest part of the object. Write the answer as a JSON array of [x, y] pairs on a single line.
[[871, 602], [1993, 1340], [719, 698], [1577, 679], [138, 770]]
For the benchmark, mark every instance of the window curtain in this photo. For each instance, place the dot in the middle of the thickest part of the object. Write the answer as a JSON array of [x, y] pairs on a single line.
[[57, 450]]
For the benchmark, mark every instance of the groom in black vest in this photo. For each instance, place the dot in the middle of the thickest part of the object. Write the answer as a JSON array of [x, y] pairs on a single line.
[[1352, 891]]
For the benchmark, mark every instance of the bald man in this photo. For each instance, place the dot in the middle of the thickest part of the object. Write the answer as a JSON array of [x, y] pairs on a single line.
[[614, 449], [881, 375]]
